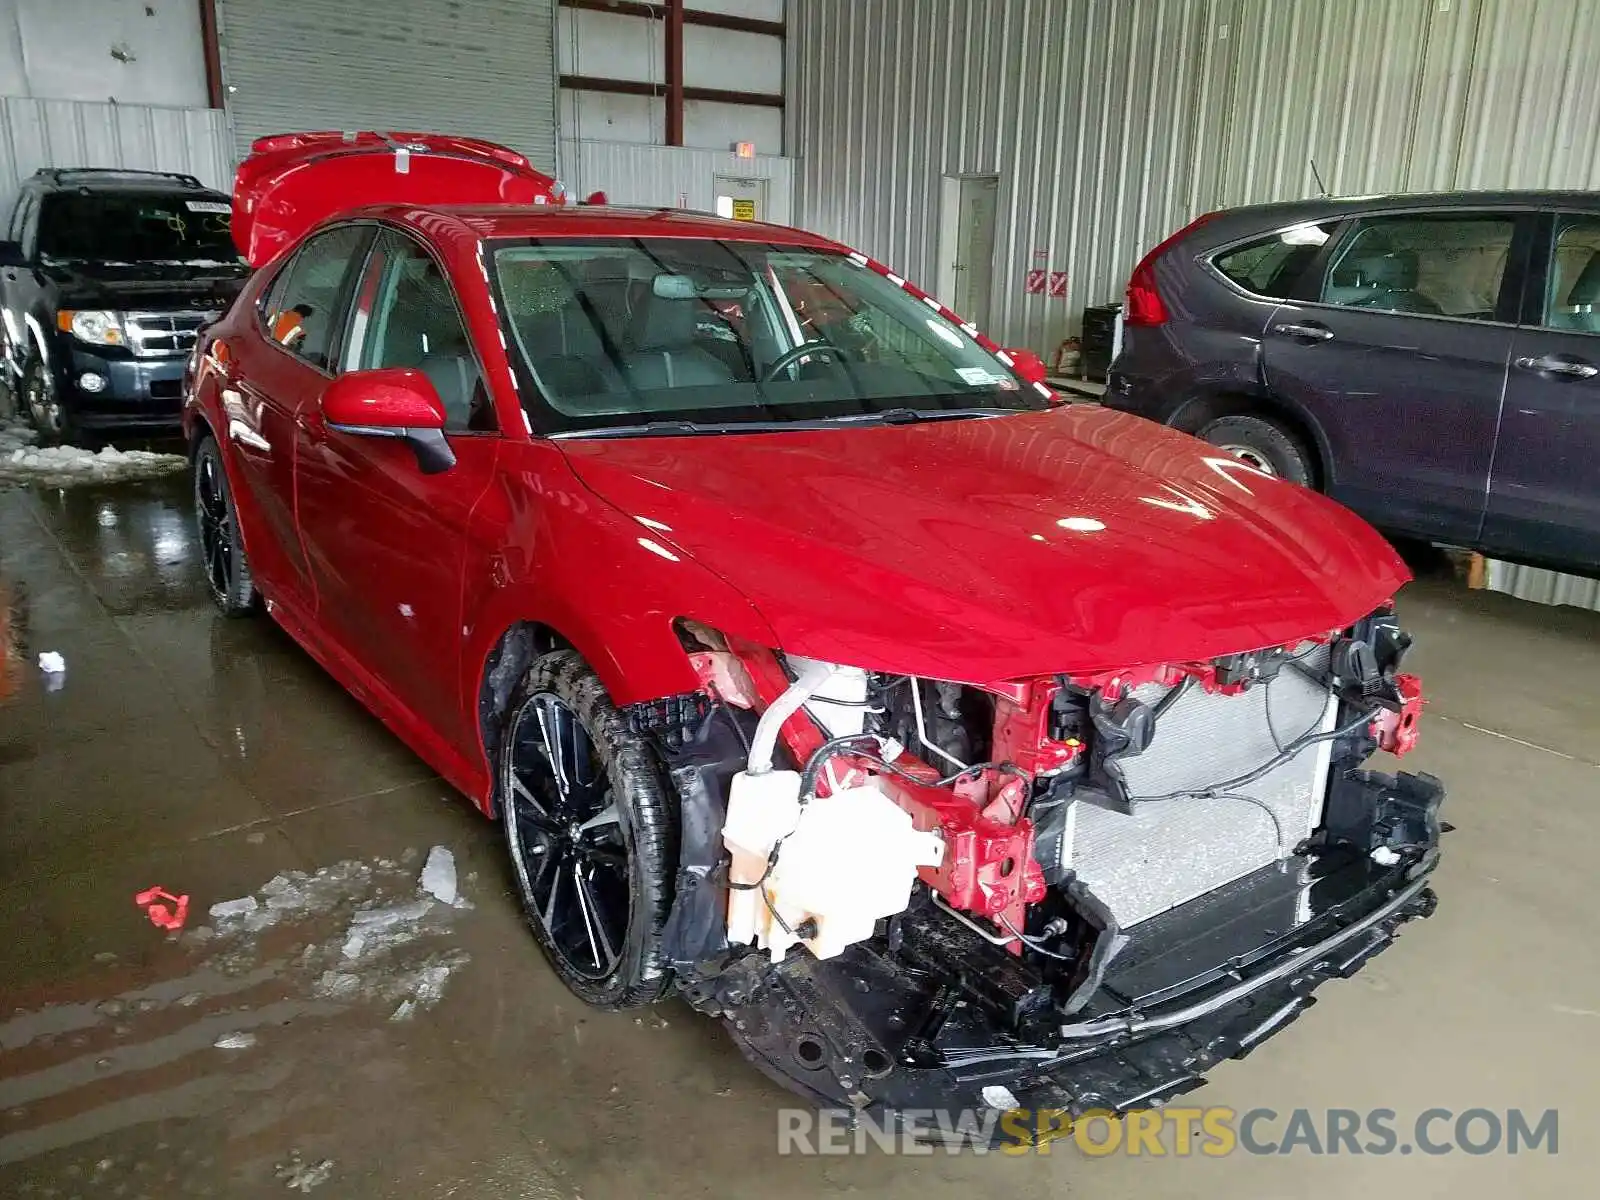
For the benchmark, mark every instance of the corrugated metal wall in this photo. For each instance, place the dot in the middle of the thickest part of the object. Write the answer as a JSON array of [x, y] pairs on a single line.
[[70, 133], [668, 175], [1110, 123], [485, 69]]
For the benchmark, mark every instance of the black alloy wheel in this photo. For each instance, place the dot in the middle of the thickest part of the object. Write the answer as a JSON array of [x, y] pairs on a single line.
[[589, 832], [222, 554]]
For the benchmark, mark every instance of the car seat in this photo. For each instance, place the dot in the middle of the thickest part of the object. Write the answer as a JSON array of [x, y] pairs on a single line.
[[425, 332], [1380, 279], [1581, 312], [665, 354]]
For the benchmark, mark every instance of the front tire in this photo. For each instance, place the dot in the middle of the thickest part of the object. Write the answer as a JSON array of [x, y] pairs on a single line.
[[591, 832], [42, 399], [1265, 445], [222, 553]]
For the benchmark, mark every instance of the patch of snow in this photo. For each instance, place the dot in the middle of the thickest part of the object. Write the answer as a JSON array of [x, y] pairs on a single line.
[[235, 1041], [226, 910], [51, 662], [300, 1176], [439, 875], [23, 460]]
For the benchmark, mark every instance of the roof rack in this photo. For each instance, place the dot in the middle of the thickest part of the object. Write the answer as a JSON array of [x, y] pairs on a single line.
[[66, 176]]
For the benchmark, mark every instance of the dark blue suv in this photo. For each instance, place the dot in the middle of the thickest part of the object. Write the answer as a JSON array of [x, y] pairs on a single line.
[[1432, 361]]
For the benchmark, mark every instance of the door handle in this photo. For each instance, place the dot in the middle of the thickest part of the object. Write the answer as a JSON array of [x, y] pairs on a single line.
[[1559, 364], [1314, 333]]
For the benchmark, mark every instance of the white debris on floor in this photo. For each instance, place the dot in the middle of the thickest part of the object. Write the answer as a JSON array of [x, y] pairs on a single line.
[[362, 961], [235, 1041], [300, 1176], [439, 875], [22, 459]]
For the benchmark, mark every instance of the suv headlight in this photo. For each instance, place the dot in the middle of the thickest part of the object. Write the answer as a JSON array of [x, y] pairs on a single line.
[[98, 327]]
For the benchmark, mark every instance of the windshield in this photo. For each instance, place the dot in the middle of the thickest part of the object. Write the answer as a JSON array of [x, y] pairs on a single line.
[[621, 333], [129, 227]]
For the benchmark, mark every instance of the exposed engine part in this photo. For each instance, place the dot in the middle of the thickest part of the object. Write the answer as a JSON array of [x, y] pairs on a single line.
[[1144, 858], [812, 678], [952, 723], [820, 870], [839, 704]]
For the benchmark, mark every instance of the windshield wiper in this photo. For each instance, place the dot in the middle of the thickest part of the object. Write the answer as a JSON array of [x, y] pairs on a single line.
[[669, 428], [910, 416]]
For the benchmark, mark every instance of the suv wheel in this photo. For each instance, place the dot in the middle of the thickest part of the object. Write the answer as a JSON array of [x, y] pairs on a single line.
[[1265, 445], [591, 835], [217, 523], [42, 399]]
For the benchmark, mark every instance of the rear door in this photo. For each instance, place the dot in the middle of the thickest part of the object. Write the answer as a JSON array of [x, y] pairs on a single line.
[[1398, 347], [1544, 494], [277, 374], [385, 543]]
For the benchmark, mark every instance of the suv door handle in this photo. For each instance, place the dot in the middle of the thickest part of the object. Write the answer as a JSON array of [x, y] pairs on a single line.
[[1315, 333], [1559, 364]]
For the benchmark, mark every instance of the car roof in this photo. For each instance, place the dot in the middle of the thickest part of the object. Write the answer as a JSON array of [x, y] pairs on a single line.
[[106, 179], [1230, 223], [598, 221]]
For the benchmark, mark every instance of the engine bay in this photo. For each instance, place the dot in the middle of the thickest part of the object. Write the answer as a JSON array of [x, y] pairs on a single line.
[[1014, 854]]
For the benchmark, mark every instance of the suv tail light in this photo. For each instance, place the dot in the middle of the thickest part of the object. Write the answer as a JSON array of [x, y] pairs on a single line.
[[1144, 305]]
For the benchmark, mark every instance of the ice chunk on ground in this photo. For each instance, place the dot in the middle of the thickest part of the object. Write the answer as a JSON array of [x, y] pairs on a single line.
[[439, 875], [227, 910], [396, 914], [403, 1013], [51, 662], [235, 1041]]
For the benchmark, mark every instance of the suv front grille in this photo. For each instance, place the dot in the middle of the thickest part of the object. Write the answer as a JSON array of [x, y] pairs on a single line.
[[163, 335]]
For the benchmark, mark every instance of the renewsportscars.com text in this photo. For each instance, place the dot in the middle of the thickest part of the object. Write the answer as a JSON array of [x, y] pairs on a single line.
[[1174, 1131]]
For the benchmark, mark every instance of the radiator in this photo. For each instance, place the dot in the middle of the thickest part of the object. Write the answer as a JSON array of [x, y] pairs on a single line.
[[1170, 851]]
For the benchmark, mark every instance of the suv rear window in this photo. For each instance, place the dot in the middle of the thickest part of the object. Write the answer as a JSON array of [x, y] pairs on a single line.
[[1271, 266]]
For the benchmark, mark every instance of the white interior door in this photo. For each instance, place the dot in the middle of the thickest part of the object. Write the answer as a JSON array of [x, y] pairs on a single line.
[[966, 243]]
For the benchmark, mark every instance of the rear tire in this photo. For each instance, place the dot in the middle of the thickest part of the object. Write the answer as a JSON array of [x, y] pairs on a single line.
[[593, 852], [1265, 445], [222, 553]]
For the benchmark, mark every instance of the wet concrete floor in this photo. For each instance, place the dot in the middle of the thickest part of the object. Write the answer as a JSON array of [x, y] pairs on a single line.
[[212, 758]]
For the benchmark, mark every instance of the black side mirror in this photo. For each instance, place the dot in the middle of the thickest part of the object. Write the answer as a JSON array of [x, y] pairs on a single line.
[[11, 255]]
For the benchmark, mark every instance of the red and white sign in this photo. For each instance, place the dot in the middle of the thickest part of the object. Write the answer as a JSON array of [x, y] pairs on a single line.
[[1035, 283], [1058, 285]]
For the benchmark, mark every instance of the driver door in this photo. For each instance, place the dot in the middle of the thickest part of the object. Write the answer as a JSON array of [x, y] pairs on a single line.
[[386, 544]]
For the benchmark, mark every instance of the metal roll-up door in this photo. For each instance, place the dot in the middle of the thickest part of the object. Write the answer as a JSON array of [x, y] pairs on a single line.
[[481, 69]]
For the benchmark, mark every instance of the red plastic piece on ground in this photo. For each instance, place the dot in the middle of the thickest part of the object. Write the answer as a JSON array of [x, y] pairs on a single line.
[[1397, 731], [155, 900]]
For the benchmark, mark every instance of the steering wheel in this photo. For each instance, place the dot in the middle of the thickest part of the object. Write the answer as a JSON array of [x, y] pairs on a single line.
[[803, 350]]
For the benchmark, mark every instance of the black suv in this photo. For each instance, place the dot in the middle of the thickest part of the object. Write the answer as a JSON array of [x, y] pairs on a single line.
[[1432, 361], [105, 280]]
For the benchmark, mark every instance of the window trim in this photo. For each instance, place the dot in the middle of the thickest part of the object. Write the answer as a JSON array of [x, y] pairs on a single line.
[[380, 226], [341, 301], [1524, 217]]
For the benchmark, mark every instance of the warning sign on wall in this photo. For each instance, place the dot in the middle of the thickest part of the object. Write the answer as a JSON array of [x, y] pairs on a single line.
[[1058, 285], [1034, 286], [744, 210]]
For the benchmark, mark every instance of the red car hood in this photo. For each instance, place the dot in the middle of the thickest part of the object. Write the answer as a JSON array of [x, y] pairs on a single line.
[[978, 550]]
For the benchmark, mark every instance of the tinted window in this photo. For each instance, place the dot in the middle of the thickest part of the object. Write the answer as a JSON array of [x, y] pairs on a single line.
[[1572, 299], [300, 312], [1440, 265], [405, 315], [137, 227], [1273, 265], [615, 332]]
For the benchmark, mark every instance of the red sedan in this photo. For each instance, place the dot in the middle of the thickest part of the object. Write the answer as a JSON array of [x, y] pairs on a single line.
[[956, 746]]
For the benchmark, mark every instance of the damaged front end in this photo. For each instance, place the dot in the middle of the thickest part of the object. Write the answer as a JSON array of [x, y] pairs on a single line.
[[1065, 892]]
